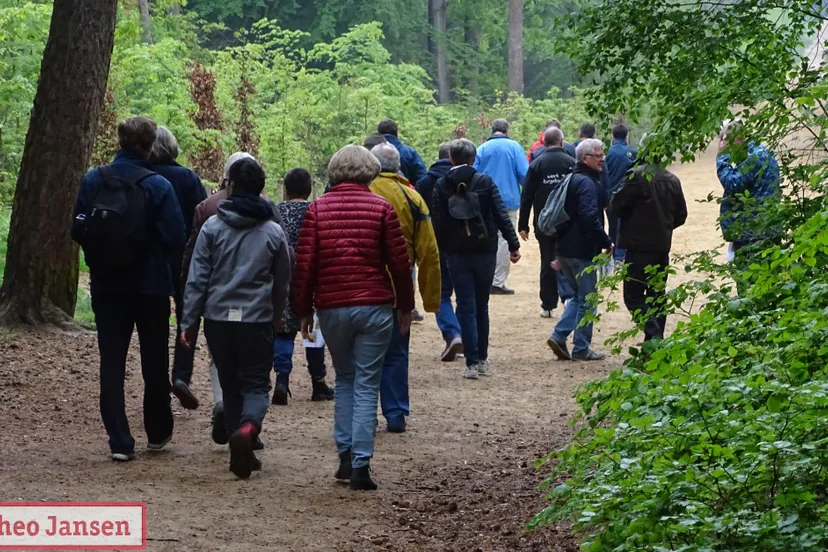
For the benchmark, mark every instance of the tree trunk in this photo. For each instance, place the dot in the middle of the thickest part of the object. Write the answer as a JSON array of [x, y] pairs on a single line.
[[41, 278], [472, 37], [438, 17], [146, 24], [176, 9], [516, 46]]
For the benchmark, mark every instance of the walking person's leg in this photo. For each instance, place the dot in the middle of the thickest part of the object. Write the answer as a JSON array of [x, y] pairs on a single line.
[[548, 275], [219, 431], [222, 346], [394, 383], [587, 284], [315, 357], [503, 262], [446, 318], [183, 359], [484, 267], [569, 319], [463, 279], [656, 285], [635, 286], [152, 318], [114, 323], [283, 346]]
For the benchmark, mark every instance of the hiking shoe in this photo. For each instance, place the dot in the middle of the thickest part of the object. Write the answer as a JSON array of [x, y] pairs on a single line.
[[155, 447], [241, 450], [182, 392], [343, 472], [453, 348], [397, 426], [256, 465], [219, 433], [484, 368], [559, 349], [123, 456], [258, 444], [416, 316], [589, 355], [501, 290], [280, 394], [546, 313], [361, 479], [470, 372], [321, 391]]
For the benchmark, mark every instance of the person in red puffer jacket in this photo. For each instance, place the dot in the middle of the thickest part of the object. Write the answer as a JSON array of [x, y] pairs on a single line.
[[351, 249]]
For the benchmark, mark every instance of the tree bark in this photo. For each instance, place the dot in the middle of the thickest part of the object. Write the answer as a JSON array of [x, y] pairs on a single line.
[[516, 46], [41, 277], [146, 24], [438, 16]]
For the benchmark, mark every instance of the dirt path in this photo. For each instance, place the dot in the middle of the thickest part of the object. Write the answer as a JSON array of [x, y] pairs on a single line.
[[460, 479]]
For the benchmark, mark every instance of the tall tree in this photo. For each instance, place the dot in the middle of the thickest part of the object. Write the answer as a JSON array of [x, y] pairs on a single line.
[[146, 23], [41, 276], [438, 18], [516, 45]]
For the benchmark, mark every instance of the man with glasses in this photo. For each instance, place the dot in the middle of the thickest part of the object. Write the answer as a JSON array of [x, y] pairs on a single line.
[[581, 239]]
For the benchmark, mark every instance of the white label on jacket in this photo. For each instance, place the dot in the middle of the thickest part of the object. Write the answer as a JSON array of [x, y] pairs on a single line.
[[235, 315]]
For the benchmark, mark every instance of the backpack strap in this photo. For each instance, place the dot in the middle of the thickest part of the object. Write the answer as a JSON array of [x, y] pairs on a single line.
[[135, 175], [416, 214]]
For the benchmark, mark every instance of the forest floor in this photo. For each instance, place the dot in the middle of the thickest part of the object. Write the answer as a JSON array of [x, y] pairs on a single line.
[[461, 478]]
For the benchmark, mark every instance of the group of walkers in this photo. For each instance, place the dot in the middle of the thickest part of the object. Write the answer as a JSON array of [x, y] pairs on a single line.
[[341, 269]]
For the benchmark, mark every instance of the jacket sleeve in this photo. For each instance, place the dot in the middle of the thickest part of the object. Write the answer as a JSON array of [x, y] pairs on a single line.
[[680, 214], [502, 220], [170, 221], [418, 165], [624, 200], [591, 216], [737, 180], [198, 222], [521, 164], [304, 280], [527, 198], [81, 207], [281, 276], [428, 264], [437, 214], [395, 251], [198, 278]]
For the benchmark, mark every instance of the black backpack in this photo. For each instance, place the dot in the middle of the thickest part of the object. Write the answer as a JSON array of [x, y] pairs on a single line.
[[115, 228], [464, 209]]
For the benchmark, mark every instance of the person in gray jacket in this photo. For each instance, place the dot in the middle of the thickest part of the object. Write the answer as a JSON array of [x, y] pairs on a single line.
[[238, 280]]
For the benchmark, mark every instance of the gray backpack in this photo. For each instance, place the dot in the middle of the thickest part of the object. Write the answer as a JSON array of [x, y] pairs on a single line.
[[553, 213]]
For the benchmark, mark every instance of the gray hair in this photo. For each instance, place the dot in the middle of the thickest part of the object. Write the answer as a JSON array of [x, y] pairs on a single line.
[[553, 137], [587, 147], [353, 164], [388, 156], [165, 147], [238, 156], [500, 125], [462, 151]]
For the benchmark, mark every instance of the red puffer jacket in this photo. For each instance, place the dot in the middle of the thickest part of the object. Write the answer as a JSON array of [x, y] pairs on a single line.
[[350, 241]]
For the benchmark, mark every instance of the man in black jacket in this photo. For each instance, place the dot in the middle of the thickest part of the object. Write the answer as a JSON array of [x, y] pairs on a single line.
[[580, 239], [650, 206], [545, 174]]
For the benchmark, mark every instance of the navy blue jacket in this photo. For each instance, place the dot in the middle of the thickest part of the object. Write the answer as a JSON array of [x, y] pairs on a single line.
[[411, 164], [166, 239], [188, 189], [619, 164], [583, 236], [425, 186]]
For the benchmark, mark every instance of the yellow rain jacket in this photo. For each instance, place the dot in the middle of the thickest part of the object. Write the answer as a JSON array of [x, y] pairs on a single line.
[[415, 221]]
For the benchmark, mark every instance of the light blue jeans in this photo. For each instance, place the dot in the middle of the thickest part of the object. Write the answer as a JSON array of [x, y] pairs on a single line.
[[583, 284], [357, 338]]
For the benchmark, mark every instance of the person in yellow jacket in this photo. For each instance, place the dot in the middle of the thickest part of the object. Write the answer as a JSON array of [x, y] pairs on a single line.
[[415, 221]]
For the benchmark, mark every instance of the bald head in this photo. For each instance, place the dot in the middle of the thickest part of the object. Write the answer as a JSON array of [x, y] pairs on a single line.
[[553, 137]]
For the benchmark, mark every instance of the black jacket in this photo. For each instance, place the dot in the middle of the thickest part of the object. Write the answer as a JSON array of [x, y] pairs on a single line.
[[491, 208], [583, 236], [425, 186], [650, 206], [545, 174]]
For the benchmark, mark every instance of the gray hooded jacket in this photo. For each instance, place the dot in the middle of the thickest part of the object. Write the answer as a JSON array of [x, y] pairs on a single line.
[[240, 270]]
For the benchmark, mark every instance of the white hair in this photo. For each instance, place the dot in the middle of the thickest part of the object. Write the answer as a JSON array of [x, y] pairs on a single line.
[[238, 156], [587, 147], [388, 156], [165, 147]]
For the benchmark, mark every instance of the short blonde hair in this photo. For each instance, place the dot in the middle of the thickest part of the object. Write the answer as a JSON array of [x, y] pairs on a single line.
[[353, 164]]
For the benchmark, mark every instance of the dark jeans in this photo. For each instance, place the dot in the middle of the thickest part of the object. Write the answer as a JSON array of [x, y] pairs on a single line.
[[614, 227], [243, 353], [548, 276], [643, 292], [283, 347], [394, 382], [183, 358], [116, 316], [472, 274]]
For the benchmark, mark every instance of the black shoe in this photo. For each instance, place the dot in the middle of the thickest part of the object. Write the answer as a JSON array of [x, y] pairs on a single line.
[[496, 290], [281, 393], [258, 444], [321, 391], [361, 480], [130, 456], [559, 349], [343, 473], [219, 429], [397, 426], [256, 464], [182, 391], [241, 451]]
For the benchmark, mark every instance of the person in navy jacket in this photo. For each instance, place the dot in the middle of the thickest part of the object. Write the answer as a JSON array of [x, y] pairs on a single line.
[[621, 159], [138, 298], [411, 164]]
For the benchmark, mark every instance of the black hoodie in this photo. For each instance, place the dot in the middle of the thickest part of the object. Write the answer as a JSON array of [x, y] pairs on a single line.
[[425, 185], [492, 209]]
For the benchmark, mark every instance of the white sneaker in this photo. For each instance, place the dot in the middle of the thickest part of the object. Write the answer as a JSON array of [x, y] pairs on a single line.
[[453, 348], [470, 372], [546, 313], [484, 369], [123, 457]]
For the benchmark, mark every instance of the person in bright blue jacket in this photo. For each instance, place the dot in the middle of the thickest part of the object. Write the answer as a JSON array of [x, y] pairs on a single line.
[[411, 164], [140, 297], [618, 166], [504, 161]]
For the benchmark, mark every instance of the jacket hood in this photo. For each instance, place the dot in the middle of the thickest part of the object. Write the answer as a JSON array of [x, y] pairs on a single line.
[[394, 177], [244, 211], [463, 173], [393, 140], [439, 169]]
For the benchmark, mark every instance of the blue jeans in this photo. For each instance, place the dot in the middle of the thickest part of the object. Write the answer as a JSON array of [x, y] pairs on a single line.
[[446, 319], [394, 384], [358, 338], [472, 275], [283, 346], [565, 289], [583, 284]]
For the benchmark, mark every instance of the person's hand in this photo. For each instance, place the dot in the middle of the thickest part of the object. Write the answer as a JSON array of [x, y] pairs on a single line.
[[306, 326], [524, 235], [404, 319], [556, 265], [279, 326], [610, 250], [188, 338], [514, 256]]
